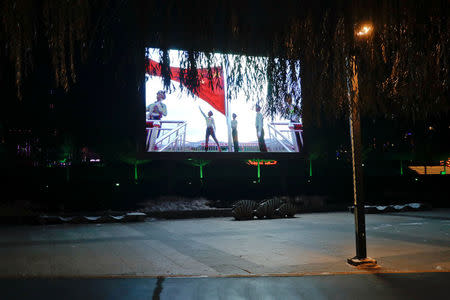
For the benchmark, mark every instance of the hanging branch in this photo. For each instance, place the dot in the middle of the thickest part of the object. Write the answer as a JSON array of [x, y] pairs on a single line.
[[404, 65], [19, 24], [67, 26]]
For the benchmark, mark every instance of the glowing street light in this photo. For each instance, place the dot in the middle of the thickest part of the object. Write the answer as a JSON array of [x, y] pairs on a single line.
[[365, 30]]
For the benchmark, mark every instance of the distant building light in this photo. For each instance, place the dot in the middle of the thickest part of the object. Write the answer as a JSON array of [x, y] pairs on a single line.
[[117, 184], [430, 128], [427, 170], [445, 162]]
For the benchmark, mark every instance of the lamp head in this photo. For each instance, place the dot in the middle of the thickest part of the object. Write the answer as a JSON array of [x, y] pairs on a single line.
[[365, 30]]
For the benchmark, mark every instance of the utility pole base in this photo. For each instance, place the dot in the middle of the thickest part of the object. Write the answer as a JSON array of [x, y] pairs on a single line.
[[361, 261]]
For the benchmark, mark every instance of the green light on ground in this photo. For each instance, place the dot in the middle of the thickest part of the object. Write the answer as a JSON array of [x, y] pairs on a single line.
[[401, 167], [443, 172], [198, 163], [259, 171], [310, 168], [135, 173]]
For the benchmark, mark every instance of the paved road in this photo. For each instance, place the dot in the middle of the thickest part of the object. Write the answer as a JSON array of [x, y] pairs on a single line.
[[307, 244], [299, 258], [362, 286]]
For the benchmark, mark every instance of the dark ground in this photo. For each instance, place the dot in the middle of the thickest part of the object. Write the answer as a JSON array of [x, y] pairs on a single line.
[[358, 286]]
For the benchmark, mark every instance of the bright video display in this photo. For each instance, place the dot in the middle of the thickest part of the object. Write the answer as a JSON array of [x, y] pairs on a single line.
[[180, 120]]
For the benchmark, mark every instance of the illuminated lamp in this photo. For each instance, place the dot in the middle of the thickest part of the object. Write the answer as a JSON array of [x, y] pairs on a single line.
[[401, 167], [364, 30], [198, 163], [261, 162]]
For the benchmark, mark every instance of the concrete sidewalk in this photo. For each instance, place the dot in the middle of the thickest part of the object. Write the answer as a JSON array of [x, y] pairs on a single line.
[[317, 243]]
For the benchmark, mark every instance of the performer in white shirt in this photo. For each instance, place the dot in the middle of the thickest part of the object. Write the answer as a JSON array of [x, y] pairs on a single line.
[[260, 129], [210, 129], [234, 133], [157, 109], [155, 112]]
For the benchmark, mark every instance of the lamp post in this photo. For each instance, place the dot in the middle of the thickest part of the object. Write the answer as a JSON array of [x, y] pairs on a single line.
[[355, 138]]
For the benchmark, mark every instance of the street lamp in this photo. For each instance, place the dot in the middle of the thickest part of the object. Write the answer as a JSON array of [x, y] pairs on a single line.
[[364, 30], [355, 138]]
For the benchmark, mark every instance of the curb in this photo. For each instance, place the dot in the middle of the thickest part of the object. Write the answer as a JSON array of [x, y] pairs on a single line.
[[188, 214], [124, 217], [377, 209], [73, 219]]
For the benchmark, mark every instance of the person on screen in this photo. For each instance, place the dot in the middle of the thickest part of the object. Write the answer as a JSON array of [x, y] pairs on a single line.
[[157, 109], [294, 125], [210, 129], [234, 133], [260, 130], [155, 112]]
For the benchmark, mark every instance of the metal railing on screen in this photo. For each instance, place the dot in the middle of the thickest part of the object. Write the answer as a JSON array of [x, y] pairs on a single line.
[[282, 136], [165, 136], [212, 147]]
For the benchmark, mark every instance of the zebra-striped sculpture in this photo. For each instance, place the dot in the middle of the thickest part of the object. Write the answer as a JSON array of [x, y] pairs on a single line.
[[272, 208], [243, 210], [267, 209], [286, 210]]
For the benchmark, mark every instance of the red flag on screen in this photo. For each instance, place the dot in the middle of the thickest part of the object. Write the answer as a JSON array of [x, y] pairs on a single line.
[[213, 93]]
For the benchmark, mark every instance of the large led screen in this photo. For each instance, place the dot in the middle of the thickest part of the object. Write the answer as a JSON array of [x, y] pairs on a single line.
[[211, 118]]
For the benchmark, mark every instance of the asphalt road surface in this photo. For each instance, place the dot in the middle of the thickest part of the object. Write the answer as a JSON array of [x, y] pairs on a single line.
[[355, 286], [219, 258]]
